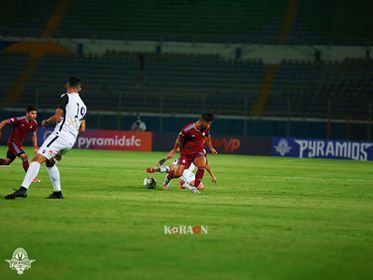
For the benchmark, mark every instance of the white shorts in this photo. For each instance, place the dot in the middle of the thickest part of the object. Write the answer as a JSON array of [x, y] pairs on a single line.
[[188, 176], [56, 144], [190, 169]]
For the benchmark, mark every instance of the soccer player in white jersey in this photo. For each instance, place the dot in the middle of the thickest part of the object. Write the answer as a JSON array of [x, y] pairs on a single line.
[[69, 120], [188, 177]]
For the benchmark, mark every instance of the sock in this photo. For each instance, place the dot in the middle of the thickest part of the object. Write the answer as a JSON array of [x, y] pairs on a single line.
[[25, 163], [31, 173], [188, 187], [54, 175], [199, 176], [163, 169], [3, 161], [170, 175]]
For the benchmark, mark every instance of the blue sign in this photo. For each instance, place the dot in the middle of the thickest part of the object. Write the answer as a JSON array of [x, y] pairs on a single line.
[[319, 148], [43, 133]]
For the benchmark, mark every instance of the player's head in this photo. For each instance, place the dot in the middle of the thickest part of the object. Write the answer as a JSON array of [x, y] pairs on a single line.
[[206, 120], [31, 112], [74, 84]]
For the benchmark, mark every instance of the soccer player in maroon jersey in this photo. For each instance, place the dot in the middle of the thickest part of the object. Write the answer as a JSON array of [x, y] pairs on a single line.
[[191, 141], [21, 126]]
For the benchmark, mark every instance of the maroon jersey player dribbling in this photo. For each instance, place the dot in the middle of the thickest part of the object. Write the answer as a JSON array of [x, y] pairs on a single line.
[[191, 142], [21, 126]]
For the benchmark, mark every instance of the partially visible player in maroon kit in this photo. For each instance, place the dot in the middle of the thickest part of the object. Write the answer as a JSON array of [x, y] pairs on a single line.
[[21, 126], [191, 141]]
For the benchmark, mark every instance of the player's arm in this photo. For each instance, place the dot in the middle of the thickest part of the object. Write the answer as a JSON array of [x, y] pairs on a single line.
[[59, 111], [176, 147], [174, 150], [169, 155], [35, 141], [4, 123], [209, 145], [209, 170], [83, 127], [53, 119]]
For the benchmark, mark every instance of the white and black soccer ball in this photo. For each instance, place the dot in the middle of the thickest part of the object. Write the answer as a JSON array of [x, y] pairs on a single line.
[[150, 183]]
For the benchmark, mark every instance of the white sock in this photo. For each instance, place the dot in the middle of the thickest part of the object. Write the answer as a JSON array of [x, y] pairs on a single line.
[[188, 187], [54, 174], [164, 169], [31, 173]]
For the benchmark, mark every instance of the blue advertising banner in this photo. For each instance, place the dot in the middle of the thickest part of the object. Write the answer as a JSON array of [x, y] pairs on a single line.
[[43, 133], [319, 148]]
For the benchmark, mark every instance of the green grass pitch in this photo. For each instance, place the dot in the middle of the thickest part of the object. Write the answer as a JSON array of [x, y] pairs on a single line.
[[268, 218]]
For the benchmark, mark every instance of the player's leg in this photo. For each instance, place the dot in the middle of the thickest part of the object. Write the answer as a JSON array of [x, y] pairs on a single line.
[[47, 151], [201, 186], [33, 170], [23, 156], [176, 173], [160, 169], [190, 186], [54, 175], [163, 168], [186, 178], [200, 162], [31, 173], [10, 157], [54, 151], [5, 161], [188, 181]]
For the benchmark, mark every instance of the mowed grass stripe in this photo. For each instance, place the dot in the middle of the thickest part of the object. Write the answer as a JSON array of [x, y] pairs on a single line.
[[268, 218]]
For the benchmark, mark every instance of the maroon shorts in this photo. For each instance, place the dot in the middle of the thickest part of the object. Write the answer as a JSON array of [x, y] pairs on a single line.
[[187, 159], [14, 150]]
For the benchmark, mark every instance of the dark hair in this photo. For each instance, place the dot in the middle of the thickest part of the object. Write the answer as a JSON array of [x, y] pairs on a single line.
[[207, 117], [30, 108], [74, 81]]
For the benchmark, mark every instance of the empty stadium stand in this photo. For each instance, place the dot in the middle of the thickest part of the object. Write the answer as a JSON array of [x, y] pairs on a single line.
[[340, 90], [323, 22], [25, 18], [10, 67], [330, 22], [180, 83]]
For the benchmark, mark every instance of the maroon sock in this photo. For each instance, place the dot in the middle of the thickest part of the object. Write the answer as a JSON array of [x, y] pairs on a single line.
[[170, 175], [5, 161], [25, 163], [199, 176]]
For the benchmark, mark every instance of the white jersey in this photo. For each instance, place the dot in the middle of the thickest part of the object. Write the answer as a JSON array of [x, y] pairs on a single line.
[[63, 137], [188, 175], [74, 113], [191, 167]]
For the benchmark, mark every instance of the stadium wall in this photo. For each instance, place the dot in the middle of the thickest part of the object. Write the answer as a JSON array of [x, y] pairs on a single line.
[[269, 54], [225, 144], [240, 126]]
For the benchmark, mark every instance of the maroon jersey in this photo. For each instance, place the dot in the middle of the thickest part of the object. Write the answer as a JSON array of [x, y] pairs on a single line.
[[192, 140], [21, 127]]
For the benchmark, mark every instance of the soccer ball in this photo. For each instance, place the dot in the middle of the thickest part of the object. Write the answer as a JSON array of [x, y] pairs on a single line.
[[150, 183]]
